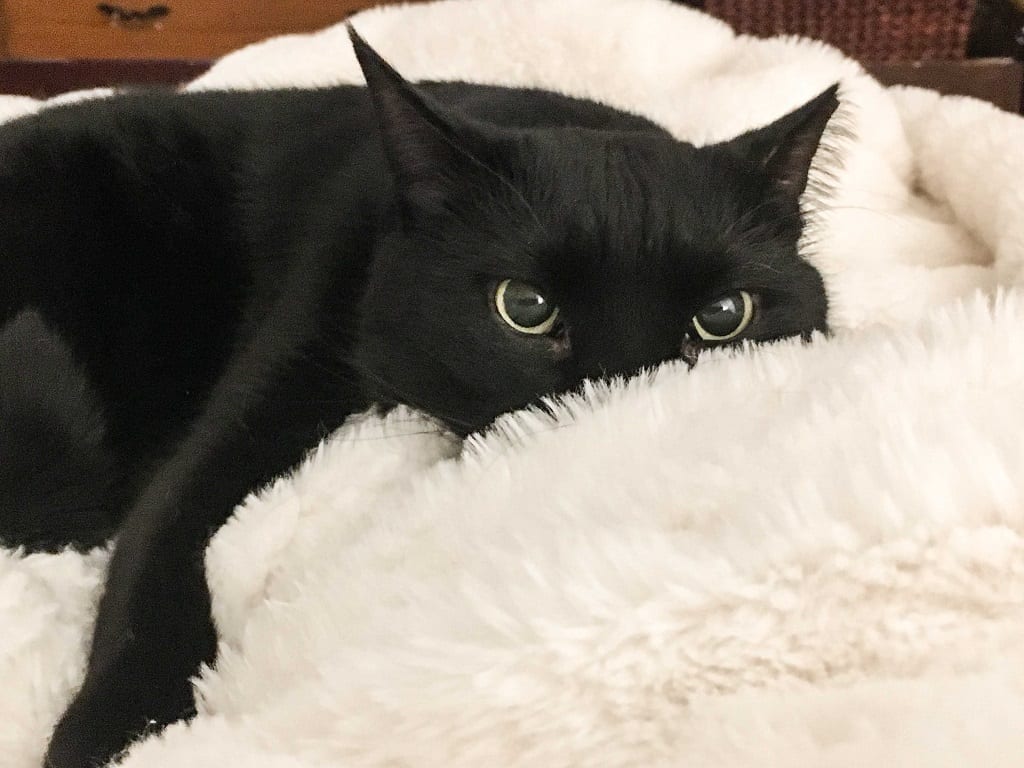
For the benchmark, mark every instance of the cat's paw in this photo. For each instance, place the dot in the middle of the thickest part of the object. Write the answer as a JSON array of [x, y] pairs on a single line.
[[81, 740], [133, 698]]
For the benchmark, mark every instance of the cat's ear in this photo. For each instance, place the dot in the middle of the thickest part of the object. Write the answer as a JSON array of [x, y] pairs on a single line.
[[785, 148], [422, 147]]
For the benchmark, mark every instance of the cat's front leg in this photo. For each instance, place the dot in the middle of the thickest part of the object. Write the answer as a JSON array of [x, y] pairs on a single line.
[[153, 628]]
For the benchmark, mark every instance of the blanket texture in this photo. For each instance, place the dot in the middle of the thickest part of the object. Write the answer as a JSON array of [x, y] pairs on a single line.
[[796, 555]]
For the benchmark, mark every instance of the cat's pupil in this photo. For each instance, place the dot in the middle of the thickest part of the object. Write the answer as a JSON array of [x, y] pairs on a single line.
[[524, 306], [723, 316]]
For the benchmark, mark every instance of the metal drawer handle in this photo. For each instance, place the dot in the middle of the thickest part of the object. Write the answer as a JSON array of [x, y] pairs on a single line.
[[119, 15]]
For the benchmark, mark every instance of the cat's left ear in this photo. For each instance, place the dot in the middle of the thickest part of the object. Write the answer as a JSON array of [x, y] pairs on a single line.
[[423, 148], [786, 147]]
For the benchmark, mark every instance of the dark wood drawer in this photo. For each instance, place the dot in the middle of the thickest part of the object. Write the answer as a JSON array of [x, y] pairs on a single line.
[[155, 29], [1000, 81]]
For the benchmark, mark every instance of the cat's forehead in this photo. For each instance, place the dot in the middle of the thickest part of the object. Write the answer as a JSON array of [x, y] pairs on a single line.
[[637, 195]]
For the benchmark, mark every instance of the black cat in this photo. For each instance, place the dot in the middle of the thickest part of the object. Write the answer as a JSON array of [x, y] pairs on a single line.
[[198, 288]]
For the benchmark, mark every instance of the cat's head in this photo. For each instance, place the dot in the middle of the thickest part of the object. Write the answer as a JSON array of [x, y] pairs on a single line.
[[526, 261]]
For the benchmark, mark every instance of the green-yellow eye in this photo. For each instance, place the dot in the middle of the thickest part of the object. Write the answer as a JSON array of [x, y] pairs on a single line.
[[524, 308], [725, 318]]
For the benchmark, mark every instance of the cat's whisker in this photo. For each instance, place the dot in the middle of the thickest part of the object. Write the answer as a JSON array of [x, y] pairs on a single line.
[[862, 209], [515, 191], [377, 438], [745, 219], [411, 401]]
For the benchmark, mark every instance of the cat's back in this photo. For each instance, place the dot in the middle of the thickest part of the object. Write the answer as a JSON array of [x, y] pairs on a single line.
[[297, 134]]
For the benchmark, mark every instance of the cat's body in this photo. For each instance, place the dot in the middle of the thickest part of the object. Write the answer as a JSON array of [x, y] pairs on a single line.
[[198, 288], [154, 233]]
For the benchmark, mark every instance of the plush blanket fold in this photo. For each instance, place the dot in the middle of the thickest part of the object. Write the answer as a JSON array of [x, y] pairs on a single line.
[[797, 555]]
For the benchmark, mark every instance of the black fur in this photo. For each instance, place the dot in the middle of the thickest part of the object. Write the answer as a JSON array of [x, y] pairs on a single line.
[[58, 477], [197, 288]]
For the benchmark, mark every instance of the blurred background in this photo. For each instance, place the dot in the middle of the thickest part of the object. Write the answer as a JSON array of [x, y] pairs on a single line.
[[971, 47]]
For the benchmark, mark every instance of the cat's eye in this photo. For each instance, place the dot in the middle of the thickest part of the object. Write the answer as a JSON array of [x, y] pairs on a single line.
[[524, 308], [725, 318]]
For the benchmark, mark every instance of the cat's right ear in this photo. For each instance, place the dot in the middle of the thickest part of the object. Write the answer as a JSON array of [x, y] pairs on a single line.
[[423, 149]]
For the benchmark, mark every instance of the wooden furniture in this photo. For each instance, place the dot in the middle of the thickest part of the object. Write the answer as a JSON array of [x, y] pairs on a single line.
[[44, 77], [52, 46], [868, 30], [910, 42], [155, 29], [1000, 81]]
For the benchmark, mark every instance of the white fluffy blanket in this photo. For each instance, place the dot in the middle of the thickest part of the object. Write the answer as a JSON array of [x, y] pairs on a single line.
[[790, 556]]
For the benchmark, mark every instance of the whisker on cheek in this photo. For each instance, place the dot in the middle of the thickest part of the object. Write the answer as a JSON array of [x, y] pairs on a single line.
[[403, 397]]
